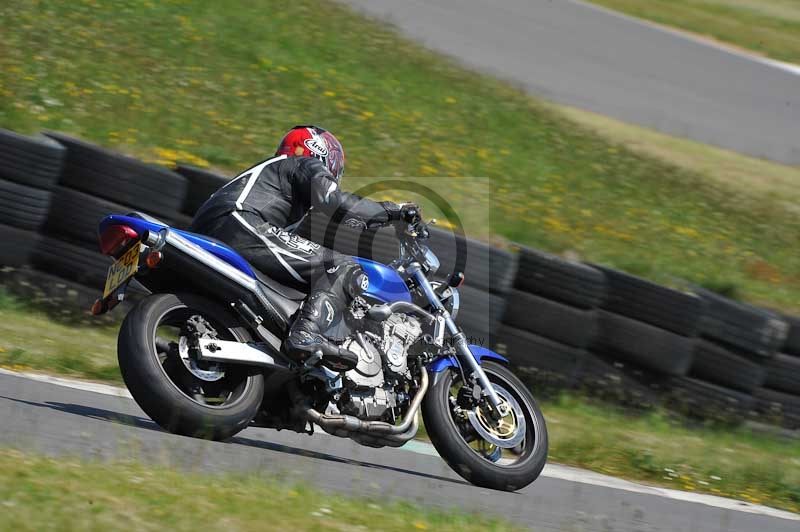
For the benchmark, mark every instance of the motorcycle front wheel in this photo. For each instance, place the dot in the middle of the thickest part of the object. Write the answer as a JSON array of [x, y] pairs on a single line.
[[179, 392], [505, 456]]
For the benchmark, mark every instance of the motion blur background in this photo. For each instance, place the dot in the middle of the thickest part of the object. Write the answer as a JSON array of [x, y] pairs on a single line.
[[628, 190]]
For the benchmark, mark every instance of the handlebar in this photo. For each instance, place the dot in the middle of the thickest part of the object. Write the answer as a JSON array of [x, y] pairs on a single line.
[[413, 231]]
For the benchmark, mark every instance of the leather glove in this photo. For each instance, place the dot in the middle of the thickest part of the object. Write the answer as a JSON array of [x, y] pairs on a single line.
[[410, 213]]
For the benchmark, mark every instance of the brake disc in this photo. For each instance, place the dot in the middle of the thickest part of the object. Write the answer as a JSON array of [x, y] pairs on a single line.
[[213, 374], [509, 431]]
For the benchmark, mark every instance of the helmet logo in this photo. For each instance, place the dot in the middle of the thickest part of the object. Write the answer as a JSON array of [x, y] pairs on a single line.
[[317, 147]]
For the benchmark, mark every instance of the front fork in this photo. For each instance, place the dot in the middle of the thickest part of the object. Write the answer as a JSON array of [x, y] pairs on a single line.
[[463, 353]]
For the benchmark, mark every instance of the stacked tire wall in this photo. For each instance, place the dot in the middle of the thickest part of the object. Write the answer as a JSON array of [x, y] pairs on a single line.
[[551, 319], [562, 324], [95, 182], [779, 398], [29, 170]]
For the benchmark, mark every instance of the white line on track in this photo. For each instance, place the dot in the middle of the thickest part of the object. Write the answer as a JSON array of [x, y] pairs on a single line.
[[104, 389], [554, 471], [786, 67]]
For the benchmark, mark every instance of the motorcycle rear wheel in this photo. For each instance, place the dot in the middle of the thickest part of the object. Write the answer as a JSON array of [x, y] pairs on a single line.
[[161, 383], [474, 458]]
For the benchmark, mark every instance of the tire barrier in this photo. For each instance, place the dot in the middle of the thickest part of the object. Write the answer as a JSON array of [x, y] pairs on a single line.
[[16, 246], [778, 407], [577, 285], [550, 319], [783, 374], [484, 267], [29, 168], [23, 206], [792, 344], [71, 261], [31, 161], [575, 327], [480, 315], [748, 329], [644, 345], [121, 179], [718, 365], [75, 215], [544, 364], [618, 383], [201, 184], [562, 324], [703, 400], [651, 303]]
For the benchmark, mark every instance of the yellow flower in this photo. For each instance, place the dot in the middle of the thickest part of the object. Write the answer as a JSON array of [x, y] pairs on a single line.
[[686, 231], [329, 94], [450, 100]]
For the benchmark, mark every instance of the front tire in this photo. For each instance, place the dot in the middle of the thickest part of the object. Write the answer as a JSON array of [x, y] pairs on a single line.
[[475, 459], [163, 386]]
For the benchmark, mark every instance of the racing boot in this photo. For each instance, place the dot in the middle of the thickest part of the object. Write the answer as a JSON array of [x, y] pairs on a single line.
[[319, 312]]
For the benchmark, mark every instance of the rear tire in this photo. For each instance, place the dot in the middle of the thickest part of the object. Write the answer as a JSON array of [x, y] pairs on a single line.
[[448, 439], [152, 381]]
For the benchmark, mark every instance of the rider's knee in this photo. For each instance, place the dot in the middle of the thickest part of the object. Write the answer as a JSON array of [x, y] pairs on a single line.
[[347, 278]]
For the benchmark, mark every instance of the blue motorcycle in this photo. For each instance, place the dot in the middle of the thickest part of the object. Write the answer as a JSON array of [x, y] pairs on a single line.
[[201, 354]]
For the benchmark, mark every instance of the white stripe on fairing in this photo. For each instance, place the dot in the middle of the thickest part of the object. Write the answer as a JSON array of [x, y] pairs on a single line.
[[791, 68], [278, 252], [254, 173], [554, 471]]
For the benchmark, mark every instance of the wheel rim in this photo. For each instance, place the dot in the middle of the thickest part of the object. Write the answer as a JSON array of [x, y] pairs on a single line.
[[211, 385], [507, 444]]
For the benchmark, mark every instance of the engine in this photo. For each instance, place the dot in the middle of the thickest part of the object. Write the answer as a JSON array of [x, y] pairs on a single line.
[[375, 387]]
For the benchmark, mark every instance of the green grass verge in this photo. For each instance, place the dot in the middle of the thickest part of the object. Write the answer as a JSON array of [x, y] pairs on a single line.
[[210, 83], [31, 339], [768, 27], [658, 448], [653, 448], [38, 493]]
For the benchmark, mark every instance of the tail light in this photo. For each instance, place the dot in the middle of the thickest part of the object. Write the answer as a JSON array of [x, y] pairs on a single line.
[[116, 238]]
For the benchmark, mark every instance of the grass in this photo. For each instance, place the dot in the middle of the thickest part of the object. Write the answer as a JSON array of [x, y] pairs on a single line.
[[654, 448], [767, 27], [657, 448], [212, 84], [774, 183], [31, 339], [38, 493]]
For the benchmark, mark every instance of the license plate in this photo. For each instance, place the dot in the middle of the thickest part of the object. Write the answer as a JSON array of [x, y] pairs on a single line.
[[122, 270]]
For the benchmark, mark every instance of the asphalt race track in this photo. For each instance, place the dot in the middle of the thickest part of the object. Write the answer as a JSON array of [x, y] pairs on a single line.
[[587, 57], [59, 420]]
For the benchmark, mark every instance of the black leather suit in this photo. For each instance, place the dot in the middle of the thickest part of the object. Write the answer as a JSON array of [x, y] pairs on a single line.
[[255, 214]]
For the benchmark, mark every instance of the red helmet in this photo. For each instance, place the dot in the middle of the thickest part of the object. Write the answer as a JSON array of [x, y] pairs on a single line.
[[313, 141]]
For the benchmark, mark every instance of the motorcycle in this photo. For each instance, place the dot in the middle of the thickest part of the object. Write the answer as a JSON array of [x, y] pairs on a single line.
[[201, 354]]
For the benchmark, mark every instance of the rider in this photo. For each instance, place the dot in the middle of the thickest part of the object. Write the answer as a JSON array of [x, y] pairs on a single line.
[[257, 212]]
